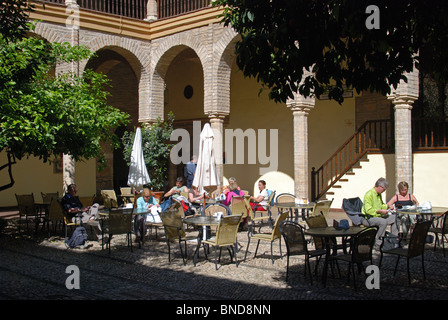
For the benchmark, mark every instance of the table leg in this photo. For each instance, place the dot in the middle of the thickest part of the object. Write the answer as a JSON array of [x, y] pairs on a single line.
[[196, 252], [327, 258]]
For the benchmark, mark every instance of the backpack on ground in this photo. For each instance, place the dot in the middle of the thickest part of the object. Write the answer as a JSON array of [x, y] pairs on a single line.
[[78, 238]]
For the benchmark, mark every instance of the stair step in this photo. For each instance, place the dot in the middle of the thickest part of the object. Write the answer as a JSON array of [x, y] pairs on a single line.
[[350, 173], [331, 193], [343, 180], [337, 186]]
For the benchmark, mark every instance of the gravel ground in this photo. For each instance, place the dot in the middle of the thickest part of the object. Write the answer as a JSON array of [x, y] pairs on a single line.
[[35, 268]]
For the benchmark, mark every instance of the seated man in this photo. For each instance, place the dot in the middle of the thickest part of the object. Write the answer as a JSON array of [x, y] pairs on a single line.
[[375, 210], [74, 208]]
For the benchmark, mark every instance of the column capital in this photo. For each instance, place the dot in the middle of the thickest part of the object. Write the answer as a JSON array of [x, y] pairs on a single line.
[[217, 115]]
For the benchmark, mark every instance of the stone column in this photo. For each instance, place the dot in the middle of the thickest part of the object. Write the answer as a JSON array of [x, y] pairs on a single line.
[[300, 107], [217, 125], [402, 98], [72, 22]]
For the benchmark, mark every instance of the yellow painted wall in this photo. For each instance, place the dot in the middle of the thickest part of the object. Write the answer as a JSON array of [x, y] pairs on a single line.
[[329, 126], [33, 176], [249, 110]]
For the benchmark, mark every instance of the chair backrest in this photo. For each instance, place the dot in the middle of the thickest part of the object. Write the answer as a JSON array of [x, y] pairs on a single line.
[[445, 223], [238, 206], [127, 191], [322, 207], [227, 230], [276, 233], [418, 238], [25, 203], [109, 198], [184, 194], [120, 221], [46, 197], [67, 220], [317, 221], [294, 237], [285, 198], [212, 208], [172, 220], [271, 197], [353, 207], [55, 212], [363, 244]]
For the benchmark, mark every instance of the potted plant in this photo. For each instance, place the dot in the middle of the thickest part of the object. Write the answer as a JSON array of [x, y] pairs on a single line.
[[156, 150]]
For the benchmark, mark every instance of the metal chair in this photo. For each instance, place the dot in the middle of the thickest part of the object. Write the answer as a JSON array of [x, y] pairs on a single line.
[[119, 222], [361, 251], [46, 197], [296, 245], [443, 231], [27, 209], [286, 198], [268, 208], [239, 207], [322, 207], [109, 198], [271, 237], [416, 247], [226, 236], [55, 214], [172, 221]]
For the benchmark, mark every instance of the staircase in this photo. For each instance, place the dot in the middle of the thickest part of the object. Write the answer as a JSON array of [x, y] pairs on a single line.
[[374, 137]]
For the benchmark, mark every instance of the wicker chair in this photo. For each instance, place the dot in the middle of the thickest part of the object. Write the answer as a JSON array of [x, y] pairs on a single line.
[[322, 207], [271, 237], [268, 209], [211, 209], [119, 222], [443, 231], [67, 221], [296, 245], [286, 198], [239, 207], [361, 250], [172, 221], [46, 197], [126, 195], [109, 198], [27, 209], [416, 247], [55, 214], [226, 236]]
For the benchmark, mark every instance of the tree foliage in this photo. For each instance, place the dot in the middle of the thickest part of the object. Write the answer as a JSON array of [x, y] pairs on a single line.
[[44, 115], [156, 149], [280, 38]]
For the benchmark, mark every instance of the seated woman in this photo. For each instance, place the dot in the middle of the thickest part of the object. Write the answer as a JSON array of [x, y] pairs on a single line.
[[194, 196], [148, 202], [400, 200], [145, 202], [233, 190], [260, 202]]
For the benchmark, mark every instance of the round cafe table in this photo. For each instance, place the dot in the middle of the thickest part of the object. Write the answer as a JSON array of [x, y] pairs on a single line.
[[296, 207], [326, 233], [201, 222]]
